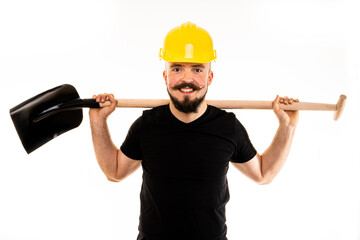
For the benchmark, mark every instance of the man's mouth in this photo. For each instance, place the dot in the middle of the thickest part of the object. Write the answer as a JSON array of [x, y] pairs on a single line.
[[186, 90]]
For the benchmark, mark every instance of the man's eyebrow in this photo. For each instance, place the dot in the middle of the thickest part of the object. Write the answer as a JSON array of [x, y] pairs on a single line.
[[194, 66], [198, 66], [175, 65]]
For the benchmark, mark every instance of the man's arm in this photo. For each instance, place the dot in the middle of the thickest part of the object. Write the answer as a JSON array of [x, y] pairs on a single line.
[[263, 168], [115, 165]]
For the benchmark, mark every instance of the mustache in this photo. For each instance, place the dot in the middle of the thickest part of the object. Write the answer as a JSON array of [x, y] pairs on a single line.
[[184, 85]]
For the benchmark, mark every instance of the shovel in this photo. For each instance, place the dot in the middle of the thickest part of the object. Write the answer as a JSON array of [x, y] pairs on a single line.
[[58, 110]]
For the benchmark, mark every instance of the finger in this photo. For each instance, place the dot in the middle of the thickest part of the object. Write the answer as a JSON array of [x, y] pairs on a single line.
[[104, 97], [291, 101], [109, 97], [98, 98], [113, 102]]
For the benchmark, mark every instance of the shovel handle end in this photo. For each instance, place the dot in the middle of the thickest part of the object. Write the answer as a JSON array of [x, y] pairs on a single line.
[[340, 105]]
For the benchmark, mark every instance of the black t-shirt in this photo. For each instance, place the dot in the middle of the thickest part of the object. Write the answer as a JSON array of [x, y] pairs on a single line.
[[185, 189]]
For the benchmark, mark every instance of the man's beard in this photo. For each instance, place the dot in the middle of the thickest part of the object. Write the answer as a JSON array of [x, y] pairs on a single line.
[[187, 106]]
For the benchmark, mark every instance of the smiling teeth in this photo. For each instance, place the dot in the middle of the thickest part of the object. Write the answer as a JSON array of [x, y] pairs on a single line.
[[186, 90]]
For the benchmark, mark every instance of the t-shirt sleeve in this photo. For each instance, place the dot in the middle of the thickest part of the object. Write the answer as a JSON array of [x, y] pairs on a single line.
[[244, 148], [131, 146]]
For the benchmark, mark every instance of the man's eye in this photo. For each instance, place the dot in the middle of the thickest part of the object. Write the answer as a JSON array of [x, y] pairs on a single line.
[[198, 70], [176, 69]]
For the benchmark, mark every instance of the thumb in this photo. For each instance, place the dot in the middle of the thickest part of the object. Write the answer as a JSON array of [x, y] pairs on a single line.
[[280, 114], [275, 104]]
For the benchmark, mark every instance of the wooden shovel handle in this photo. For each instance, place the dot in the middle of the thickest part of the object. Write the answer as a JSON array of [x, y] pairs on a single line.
[[239, 104]]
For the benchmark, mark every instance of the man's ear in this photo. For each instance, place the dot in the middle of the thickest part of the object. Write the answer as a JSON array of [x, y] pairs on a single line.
[[165, 76], [210, 78]]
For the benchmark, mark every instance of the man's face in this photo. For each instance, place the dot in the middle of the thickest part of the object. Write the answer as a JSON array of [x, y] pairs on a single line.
[[187, 84]]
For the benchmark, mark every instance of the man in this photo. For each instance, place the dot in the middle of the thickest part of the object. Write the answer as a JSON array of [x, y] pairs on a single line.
[[185, 147]]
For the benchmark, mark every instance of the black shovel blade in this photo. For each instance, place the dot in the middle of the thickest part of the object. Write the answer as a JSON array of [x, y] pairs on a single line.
[[34, 131]]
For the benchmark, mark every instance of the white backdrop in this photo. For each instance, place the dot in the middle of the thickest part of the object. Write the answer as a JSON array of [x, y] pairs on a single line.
[[307, 49]]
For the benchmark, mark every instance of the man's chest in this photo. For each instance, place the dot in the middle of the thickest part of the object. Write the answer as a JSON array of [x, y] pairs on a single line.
[[187, 152]]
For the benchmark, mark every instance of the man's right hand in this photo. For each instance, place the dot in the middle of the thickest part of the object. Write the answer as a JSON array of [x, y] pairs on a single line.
[[112, 161], [103, 113]]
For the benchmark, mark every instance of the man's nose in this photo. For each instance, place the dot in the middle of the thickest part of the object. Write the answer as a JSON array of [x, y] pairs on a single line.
[[188, 76]]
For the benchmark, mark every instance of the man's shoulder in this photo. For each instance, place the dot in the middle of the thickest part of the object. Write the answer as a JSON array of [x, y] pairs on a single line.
[[218, 113], [157, 115], [156, 111], [218, 110]]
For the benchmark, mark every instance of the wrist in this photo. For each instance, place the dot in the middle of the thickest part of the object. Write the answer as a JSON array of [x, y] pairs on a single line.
[[97, 121], [288, 122], [287, 128]]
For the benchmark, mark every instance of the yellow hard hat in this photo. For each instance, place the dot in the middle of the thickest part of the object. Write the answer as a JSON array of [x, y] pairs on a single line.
[[188, 43]]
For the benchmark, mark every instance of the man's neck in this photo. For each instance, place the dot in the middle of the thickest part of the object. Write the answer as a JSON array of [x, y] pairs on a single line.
[[188, 117]]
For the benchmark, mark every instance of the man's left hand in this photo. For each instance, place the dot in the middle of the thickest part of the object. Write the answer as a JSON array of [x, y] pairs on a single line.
[[286, 118]]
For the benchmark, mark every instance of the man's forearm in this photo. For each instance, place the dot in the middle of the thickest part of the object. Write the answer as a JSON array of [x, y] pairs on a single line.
[[275, 156], [105, 150]]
